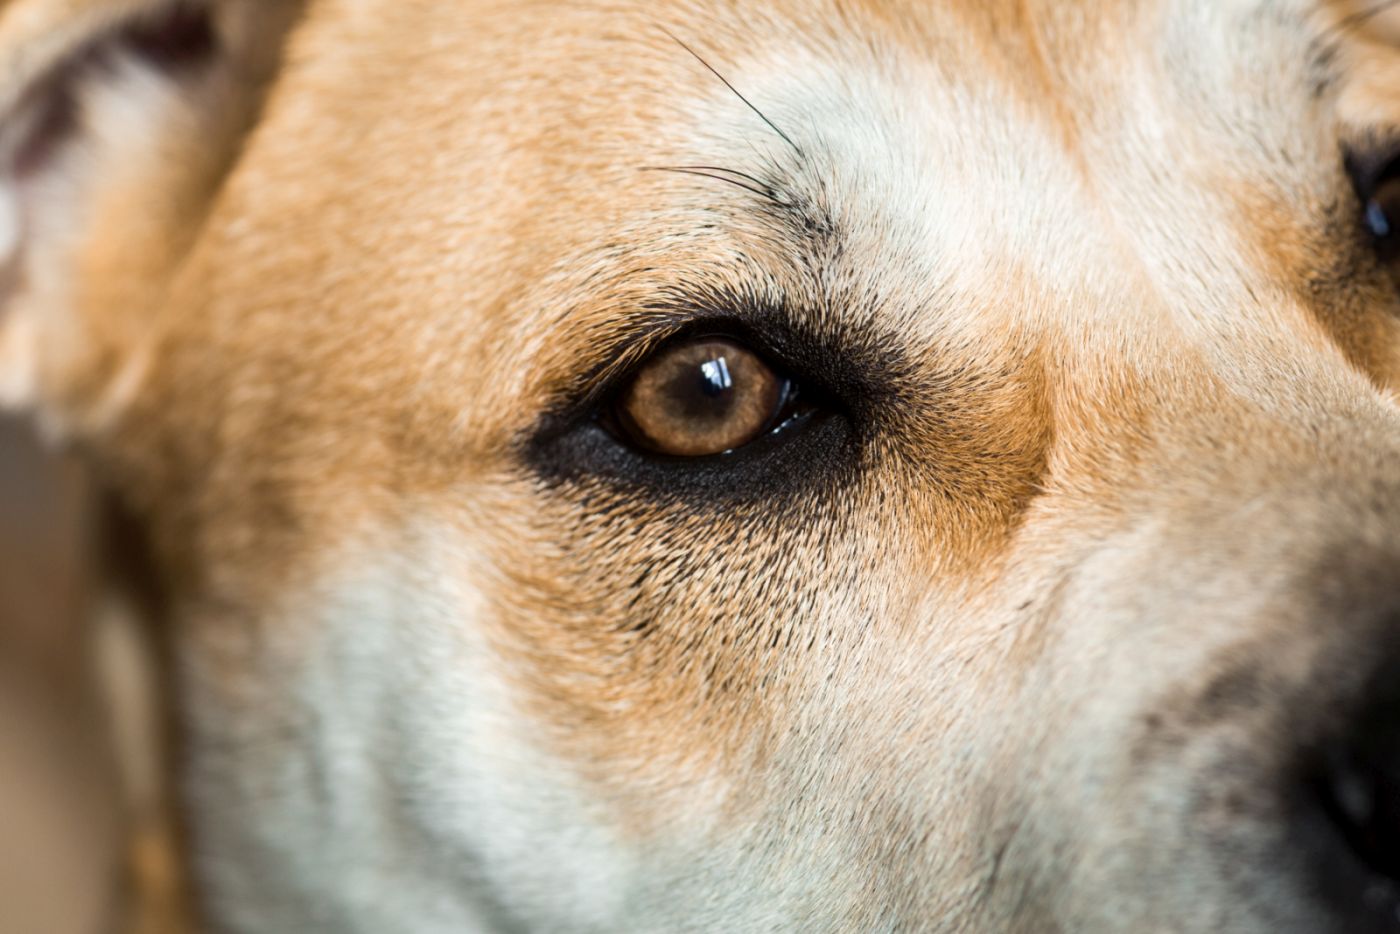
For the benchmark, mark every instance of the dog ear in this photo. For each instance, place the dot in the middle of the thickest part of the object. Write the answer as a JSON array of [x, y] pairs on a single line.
[[119, 119]]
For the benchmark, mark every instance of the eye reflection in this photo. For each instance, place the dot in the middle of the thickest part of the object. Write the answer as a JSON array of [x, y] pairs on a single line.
[[716, 375]]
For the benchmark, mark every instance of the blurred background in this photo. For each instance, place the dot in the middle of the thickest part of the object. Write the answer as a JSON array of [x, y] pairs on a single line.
[[65, 814]]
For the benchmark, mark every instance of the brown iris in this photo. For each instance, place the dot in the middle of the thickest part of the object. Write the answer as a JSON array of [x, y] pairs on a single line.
[[703, 397]]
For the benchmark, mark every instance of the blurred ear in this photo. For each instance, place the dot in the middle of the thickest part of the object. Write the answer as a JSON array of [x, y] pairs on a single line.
[[119, 120]]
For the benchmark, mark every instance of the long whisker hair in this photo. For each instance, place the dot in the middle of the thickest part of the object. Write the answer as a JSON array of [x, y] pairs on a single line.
[[747, 103], [743, 180]]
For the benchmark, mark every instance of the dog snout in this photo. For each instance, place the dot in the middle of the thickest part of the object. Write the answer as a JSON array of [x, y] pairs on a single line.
[[1265, 764], [1302, 779], [1345, 787]]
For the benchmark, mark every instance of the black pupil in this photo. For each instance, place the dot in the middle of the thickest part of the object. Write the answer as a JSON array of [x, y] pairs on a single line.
[[706, 392]]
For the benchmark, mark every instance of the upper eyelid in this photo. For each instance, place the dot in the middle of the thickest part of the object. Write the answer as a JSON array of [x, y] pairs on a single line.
[[611, 357], [850, 365], [622, 354]]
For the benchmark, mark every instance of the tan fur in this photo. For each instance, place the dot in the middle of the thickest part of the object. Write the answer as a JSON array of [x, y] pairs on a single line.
[[1140, 392]]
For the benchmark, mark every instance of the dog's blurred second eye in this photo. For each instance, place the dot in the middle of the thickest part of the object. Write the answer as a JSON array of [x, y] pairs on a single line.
[[1376, 178], [1383, 212], [702, 397]]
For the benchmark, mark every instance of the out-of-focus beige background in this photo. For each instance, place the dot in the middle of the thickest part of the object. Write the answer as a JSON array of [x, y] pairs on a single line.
[[61, 817]]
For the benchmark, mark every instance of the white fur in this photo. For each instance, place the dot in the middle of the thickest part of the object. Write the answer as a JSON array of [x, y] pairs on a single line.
[[412, 795]]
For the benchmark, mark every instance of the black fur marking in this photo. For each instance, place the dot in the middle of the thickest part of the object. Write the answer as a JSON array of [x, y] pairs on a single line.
[[179, 37]]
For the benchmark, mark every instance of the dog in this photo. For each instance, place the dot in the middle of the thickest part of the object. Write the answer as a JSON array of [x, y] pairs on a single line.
[[699, 466]]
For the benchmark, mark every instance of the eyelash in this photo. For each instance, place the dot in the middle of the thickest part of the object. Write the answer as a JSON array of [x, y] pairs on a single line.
[[765, 330]]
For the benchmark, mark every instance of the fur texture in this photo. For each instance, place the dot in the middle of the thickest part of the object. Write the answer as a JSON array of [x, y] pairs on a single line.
[[1018, 640]]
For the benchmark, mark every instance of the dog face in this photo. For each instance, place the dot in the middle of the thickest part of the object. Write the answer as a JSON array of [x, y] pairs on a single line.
[[818, 467]]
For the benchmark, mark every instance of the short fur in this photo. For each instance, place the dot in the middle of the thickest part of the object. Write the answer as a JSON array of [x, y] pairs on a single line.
[[1016, 641]]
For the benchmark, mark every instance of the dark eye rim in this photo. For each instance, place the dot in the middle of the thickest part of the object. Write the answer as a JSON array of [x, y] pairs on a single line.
[[847, 377], [851, 371]]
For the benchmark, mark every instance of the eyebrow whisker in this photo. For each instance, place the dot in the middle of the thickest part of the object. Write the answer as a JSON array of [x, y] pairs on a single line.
[[733, 177], [748, 103]]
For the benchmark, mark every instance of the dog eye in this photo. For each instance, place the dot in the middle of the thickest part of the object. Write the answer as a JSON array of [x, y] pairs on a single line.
[[702, 397], [1383, 212], [1380, 198]]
